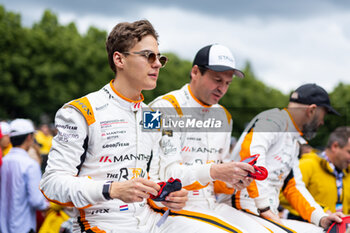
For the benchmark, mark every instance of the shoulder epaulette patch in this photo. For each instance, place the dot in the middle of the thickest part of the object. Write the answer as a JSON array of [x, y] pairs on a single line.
[[174, 102], [84, 106]]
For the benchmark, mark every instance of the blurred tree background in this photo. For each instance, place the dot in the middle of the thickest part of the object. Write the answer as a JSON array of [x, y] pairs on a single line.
[[49, 64]]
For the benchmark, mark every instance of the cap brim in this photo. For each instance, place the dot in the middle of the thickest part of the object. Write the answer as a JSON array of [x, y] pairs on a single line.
[[331, 110], [236, 72], [16, 133]]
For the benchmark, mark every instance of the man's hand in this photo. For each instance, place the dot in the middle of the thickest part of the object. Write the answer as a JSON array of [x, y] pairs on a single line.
[[176, 200], [327, 221], [270, 215], [133, 190], [234, 173]]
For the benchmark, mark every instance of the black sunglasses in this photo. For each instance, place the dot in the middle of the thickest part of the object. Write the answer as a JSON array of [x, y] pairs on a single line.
[[151, 56]]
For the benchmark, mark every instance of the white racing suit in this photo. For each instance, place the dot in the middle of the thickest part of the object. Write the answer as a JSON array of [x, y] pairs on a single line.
[[100, 139], [274, 135], [188, 155]]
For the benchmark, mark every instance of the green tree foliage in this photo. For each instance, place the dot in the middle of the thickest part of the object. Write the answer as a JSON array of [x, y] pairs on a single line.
[[12, 57], [247, 97], [49, 64]]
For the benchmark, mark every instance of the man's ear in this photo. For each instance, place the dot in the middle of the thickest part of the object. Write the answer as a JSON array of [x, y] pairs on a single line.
[[118, 59], [311, 110], [334, 146], [195, 73]]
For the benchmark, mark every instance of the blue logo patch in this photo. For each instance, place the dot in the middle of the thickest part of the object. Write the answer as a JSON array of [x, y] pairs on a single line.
[[151, 119]]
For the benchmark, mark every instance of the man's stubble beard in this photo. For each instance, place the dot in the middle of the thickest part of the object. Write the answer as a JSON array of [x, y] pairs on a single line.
[[310, 129]]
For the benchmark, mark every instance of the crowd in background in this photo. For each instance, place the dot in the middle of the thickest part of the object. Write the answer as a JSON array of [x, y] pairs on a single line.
[[49, 217]]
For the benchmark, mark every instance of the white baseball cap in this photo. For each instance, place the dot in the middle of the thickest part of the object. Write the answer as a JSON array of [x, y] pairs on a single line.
[[218, 58], [21, 127], [4, 128]]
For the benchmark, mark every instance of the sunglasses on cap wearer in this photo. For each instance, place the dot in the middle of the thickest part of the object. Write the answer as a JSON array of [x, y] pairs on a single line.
[[151, 56]]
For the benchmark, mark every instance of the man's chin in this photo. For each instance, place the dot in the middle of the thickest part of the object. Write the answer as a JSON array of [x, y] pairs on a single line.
[[150, 87], [309, 135]]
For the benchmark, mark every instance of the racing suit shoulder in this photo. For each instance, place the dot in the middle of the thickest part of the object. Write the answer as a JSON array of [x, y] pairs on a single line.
[[171, 99], [228, 114], [272, 120], [84, 107]]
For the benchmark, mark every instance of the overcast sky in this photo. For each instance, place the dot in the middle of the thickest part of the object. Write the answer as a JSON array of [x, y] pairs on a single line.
[[288, 43]]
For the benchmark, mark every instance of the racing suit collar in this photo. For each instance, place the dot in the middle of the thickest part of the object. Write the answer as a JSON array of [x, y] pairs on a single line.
[[201, 104], [123, 97], [124, 101], [292, 120]]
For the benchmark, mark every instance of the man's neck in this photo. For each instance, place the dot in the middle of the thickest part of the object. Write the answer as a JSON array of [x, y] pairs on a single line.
[[125, 89], [330, 155], [297, 117], [194, 93], [24, 146]]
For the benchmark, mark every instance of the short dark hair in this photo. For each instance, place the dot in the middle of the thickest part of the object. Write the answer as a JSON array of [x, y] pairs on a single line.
[[18, 140], [125, 35], [201, 69], [340, 135]]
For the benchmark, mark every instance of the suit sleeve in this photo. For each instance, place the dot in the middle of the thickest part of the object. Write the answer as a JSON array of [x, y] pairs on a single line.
[[221, 186], [61, 182], [261, 133], [300, 198]]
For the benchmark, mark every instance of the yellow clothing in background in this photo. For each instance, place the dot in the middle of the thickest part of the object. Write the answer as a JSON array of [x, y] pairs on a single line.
[[44, 141], [54, 219], [7, 150], [320, 180]]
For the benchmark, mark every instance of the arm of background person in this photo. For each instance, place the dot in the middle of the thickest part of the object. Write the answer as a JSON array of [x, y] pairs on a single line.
[[35, 197]]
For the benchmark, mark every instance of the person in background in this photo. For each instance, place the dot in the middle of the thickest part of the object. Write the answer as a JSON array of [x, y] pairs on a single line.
[[274, 134], [327, 175], [20, 196], [5, 143], [43, 138]]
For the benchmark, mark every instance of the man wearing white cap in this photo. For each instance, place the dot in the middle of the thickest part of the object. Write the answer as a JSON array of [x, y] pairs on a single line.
[[5, 144], [199, 156], [20, 196]]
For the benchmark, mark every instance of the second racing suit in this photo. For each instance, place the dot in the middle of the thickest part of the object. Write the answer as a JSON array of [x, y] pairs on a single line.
[[189, 155]]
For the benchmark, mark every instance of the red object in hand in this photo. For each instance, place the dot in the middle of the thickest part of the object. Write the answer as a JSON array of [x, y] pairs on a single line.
[[342, 227], [261, 172], [166, 188]]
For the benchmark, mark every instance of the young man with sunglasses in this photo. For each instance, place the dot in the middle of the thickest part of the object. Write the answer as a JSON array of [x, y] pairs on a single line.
[[200, 156], [275, 135], [100, 158]]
